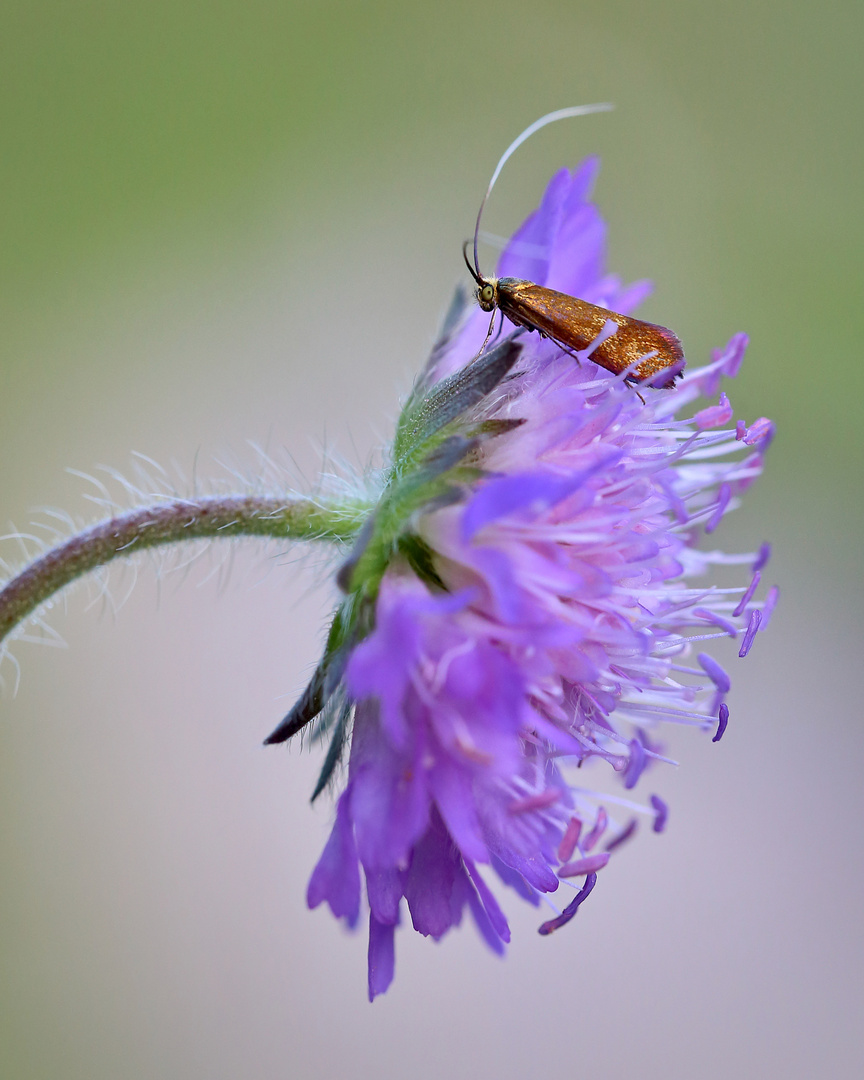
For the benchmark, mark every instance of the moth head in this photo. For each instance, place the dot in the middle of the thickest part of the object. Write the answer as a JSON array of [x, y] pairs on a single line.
[[487, 295]]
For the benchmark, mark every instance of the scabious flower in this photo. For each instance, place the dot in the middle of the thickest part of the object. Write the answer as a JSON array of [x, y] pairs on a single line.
[[527, 597]]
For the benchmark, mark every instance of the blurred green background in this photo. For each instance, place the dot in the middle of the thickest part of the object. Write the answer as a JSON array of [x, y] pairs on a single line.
[[225, 222]]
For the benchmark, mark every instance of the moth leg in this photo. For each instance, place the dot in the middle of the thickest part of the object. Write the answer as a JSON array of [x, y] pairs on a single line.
[[563, 348], [499, 330], [486, 339]]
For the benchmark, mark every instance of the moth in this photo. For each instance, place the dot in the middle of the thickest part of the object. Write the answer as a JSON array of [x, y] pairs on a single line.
[[619, 343]]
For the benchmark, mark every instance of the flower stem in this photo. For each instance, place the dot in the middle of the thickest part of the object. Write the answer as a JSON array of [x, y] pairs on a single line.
[[170, 522]]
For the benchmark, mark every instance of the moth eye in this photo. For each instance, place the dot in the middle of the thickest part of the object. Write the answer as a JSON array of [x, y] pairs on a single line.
[[487, 294]]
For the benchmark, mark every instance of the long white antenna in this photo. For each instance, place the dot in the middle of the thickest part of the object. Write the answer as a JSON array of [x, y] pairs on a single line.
[[549, 118]]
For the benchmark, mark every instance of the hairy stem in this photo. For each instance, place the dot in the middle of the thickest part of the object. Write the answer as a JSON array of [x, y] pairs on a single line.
[[170, 522]]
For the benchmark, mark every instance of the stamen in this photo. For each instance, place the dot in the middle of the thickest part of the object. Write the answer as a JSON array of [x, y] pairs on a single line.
[[715, 673], [571, 909], [598, 830], [624, 835], [723, 497], [535, 802], [750, 633], [718, 620], [769, 605], [662, 813], [761, 432], [723, 720], [762, 558], [748, 595], [570, 839], [589, 865], [635, 764], [714, 415]]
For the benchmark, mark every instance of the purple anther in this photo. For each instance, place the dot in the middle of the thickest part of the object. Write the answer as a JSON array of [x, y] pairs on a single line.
[[661, 813], [723, 497], [750, 632], [570, 839], [624, 835], [715, 673], [535, 802], [718, 620], [769, 605], [571, 909], [748, 595], [714, 415], [635, 764], [598, 830], [723, 720], [740, 430], [762, 558], [760, 432], [589, 865]]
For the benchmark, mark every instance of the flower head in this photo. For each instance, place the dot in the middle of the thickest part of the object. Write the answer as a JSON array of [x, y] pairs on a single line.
[[528, 596]]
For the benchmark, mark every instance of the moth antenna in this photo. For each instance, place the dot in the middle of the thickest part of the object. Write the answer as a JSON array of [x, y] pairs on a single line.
[[549, 118], [474, 273]]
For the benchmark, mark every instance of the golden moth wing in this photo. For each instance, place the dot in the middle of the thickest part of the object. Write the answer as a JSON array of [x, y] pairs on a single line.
[[575, 323]]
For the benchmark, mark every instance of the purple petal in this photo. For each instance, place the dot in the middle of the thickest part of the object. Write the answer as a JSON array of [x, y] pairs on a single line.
[[379, 666], [579, 252], [534, 871], [382, 956], [429, 886], [631, 296], [490, 904], [528, 494], [385, 889], [733, 354], [515, 880], [465, 893], [453, 790], [582, 181], [527, 255], [389, 797], [336, 877]]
